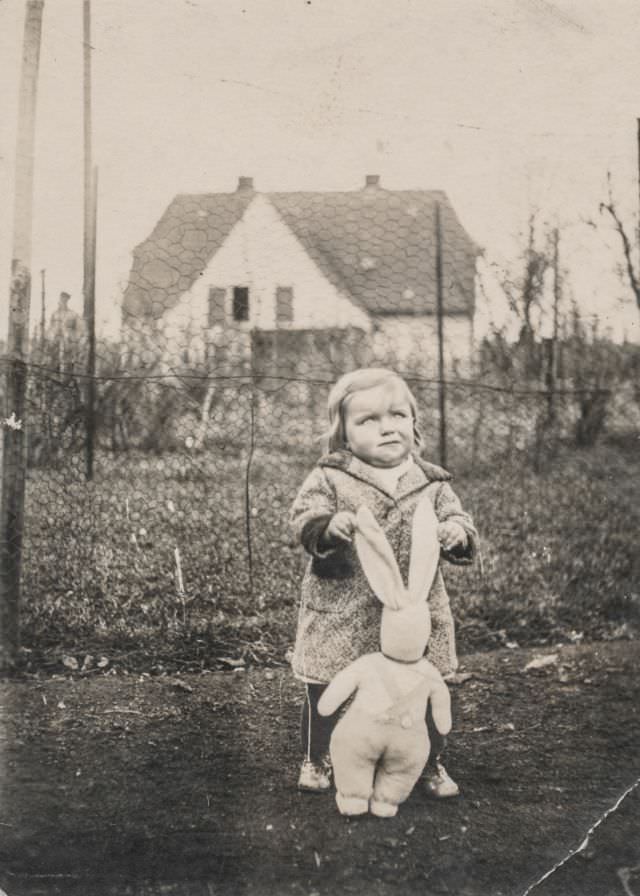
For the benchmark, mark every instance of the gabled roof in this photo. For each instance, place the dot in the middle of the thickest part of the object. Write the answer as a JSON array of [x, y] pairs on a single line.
[[381, 245], [184, 240], [376, 245]]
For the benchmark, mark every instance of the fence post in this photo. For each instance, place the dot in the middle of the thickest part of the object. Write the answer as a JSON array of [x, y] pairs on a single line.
[[90, 318], [89, 242], [442, 397], [12, 480], [553, 342], [249, 464]]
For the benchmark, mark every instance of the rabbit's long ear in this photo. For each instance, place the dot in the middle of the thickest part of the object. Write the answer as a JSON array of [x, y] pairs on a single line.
[[377, 560], [425, 550]]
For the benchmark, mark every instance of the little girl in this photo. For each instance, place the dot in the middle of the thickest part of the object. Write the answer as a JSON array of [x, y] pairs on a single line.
[[373, 460]]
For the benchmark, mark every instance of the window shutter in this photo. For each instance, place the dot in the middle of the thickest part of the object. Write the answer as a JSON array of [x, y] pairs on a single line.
[[284, 304], [217, 310]]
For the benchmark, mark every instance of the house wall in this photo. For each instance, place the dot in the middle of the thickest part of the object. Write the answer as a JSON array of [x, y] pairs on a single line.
[[412, 342], [262, 254]]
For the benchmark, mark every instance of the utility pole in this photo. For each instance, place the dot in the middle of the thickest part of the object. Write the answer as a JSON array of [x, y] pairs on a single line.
[[638, 154], [553, 342], [86, 85], [42, 306], [12, 481], [90, 199], [91, 328], [442, 396], [556, 287]]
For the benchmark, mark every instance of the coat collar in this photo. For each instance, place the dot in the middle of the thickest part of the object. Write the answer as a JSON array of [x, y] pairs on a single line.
[[420, 473]]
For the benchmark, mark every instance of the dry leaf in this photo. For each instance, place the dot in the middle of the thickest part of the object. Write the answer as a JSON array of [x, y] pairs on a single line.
[[539, 662]]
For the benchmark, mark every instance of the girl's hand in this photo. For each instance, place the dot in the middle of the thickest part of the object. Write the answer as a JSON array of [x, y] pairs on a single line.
[[451, 535], [341, 526]]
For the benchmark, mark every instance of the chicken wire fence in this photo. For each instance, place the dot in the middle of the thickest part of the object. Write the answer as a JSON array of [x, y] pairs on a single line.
[[184, 521], [160, 469]]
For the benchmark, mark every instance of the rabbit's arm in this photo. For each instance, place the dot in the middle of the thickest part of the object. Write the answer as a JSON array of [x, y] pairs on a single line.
[[312, 509], [441, 707], [448, 509], [340, 689]]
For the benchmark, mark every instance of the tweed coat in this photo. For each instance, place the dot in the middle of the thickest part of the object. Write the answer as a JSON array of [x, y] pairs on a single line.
[[339, 616]]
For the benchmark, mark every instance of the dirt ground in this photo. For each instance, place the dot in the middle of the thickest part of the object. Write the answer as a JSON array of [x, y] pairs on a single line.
[[185, 785]]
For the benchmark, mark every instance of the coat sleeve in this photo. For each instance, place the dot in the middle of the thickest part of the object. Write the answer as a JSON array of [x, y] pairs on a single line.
[[311, 511], [449, 509], [340, 688]]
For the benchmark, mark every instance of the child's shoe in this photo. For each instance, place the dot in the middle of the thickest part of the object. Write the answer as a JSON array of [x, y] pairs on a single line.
[[438, 783], [315, 777]]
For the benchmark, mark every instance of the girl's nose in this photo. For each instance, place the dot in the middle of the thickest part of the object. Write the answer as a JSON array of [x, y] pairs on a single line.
[[387, 424]]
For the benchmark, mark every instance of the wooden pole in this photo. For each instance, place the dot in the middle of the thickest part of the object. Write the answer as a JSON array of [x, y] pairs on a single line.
[[90, 279], [90, 194], [12, 481], [86, 84], [43, 312], [638, 161], [442, 396], [556, 292], [553, 342]]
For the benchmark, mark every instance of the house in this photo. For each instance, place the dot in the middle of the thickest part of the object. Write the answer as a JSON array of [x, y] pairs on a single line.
[[218, 266]]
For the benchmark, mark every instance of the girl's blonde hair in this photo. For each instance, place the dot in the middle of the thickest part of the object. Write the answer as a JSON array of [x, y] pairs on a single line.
[[358, 381]]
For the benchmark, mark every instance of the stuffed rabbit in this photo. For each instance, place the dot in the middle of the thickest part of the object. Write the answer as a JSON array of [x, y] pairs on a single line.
[[380, 746]]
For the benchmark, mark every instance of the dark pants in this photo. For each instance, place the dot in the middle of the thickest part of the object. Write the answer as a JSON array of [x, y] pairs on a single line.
[[316, 729]]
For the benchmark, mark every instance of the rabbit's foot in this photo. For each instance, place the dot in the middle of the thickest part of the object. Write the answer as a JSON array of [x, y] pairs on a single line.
[[382, 809], [351, 805]]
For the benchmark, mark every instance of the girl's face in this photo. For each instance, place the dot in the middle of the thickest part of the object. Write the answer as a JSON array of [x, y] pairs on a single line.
[[378, 425]]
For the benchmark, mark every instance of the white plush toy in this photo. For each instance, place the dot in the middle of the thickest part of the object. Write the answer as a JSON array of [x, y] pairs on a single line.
[[380, 746]]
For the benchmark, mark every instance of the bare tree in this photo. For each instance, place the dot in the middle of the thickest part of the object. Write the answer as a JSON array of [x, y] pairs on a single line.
[[627, 248]]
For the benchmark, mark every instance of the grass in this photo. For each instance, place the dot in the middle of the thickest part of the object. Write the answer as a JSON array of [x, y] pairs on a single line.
[[559, 556]]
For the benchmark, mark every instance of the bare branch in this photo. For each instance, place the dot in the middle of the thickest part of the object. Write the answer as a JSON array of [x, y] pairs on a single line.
[[626, 243]]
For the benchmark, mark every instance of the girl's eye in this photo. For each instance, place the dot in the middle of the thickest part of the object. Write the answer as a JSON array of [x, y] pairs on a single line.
[[399, 414]]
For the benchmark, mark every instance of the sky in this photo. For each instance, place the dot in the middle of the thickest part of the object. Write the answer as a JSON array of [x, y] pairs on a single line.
[[510, 106]]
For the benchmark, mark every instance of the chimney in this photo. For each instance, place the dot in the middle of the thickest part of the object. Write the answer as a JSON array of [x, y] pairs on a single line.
[[372, 180], [245, 183]]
